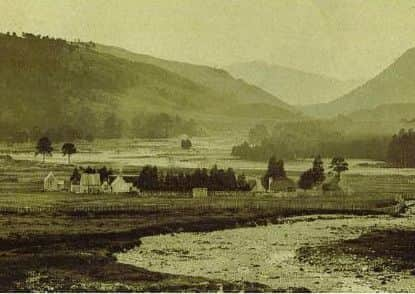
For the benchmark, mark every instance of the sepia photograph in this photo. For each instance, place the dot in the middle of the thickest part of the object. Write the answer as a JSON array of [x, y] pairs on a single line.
[[207, 146]]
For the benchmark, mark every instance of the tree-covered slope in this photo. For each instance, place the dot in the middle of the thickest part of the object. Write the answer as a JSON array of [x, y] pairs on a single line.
[[48, 83], [51, 85]]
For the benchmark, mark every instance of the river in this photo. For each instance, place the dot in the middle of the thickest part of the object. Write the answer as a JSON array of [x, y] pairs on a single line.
[[265, 254]]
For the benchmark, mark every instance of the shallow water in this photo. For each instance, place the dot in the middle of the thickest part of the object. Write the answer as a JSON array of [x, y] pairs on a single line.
[[263, 254]]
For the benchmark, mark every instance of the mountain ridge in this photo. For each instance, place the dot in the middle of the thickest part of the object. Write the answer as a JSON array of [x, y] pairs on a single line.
[[297, 87], [394, 84], [49, 85], [215, 78]]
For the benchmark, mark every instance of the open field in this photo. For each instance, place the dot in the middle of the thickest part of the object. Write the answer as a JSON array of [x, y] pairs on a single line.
[[166, 153], [67, 206]]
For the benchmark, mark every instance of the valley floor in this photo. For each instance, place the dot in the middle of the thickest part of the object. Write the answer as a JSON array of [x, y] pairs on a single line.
[[67, 242], [73, 250]]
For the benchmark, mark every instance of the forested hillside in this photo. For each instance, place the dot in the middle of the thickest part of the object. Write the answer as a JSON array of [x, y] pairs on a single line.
[[306, 139], [71, 90]]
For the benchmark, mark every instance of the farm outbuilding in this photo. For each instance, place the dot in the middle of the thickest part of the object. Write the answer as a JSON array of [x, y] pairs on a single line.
[[75, 188], [90, 183], [52, 183], [105, 187], [282, 185], [199, 192]]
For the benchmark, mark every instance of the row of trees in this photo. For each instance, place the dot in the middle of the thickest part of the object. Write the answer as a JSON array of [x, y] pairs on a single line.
[[315, 176], [215, 179], [304, 139], [104, 173], [151, 179], [401, 151], [84, 127], [162, 125]]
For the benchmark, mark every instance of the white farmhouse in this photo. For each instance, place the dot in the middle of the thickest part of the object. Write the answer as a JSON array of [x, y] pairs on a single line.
[[119, 185]]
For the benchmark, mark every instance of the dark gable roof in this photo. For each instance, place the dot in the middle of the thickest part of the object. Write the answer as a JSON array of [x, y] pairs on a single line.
[[282, 184]]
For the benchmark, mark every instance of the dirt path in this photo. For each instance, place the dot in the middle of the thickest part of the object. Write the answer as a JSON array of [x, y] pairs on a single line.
[[265, 254]]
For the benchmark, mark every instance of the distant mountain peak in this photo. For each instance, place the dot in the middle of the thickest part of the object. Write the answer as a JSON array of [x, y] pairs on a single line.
[[394, 85], [293, 85]]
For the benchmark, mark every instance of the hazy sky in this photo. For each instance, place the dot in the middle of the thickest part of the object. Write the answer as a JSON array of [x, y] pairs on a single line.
[[347, 39]]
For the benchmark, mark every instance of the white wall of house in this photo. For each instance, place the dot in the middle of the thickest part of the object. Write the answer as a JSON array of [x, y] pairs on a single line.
[[199, 192], [119, 185], [75, 189]]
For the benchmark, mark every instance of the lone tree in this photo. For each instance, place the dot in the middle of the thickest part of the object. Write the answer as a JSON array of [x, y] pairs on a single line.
[[318, 170], [76, 176], [306, 180], [313, 176], [68, 149], [339, 165], [44, 147], [275, 171], [186, 144]]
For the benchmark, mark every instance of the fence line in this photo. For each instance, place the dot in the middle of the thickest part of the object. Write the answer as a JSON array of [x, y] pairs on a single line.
[[202, 205]]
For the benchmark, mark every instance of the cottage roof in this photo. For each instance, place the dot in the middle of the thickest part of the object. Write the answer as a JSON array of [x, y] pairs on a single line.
[[117, 180], [50, 175], [128, 179], [90, 180]]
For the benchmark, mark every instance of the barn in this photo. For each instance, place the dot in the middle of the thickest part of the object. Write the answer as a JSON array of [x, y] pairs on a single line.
[[282, 185], [90, 183]]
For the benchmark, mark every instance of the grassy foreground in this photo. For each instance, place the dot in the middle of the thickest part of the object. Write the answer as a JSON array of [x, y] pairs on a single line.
[[65, 242]]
